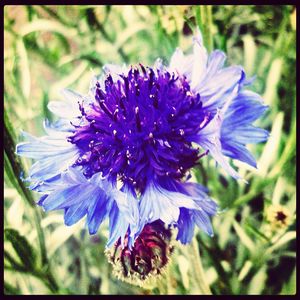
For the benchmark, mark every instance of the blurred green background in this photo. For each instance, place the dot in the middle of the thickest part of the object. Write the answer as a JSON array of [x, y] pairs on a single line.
[[48, 48]]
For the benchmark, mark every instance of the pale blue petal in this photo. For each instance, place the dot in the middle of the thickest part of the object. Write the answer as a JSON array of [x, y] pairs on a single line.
[[209, 139], [199, 63], [61, 198], [43, 148], [115, 70], [203, 222], [185, 226], [98, 212], [244, 109], [118, 226], [73, 176], [237, 130], [182, 64], [237, 151], [51, 166], [221, 88], [208, 205], [64, 109], [159, 203], [127, 205], [74, 213], [215, 62], [60, 129], [47, 186], [250, 135]]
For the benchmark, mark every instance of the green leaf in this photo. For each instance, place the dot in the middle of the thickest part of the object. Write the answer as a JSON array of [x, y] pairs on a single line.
[[257, 283], [24, 68], [47, 25], [183, 265], [245, 270], [289, 288], [270, 152], [10, 290], [286, 238], [22, 247], [256, 231], [12, 263], [244, 238], [249, 53]]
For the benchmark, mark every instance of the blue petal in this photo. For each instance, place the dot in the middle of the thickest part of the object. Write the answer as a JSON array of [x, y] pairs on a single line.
[[127, 204], [181, 63], [244, 109], [115, 70], [68, 109], [118, 226], [60, 129], [209, 206], [237, 151], [249, 135], [221, 87], [47, 185], [79, 196], [54, 155], [215, 62], [73, 176], [159, 203], [209, 139], [51, 166], [43, 147], [133, 212], [200, 197], [92, 200], [199, 63], [193, 189], [98, 212], [41, 200], [203, 222], [186, 226], [74, 213], [237, 130], [66, 197], [188, 217]]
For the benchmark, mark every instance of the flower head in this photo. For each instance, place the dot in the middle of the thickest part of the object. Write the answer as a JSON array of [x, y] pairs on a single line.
[[125, 150], [278, 216]]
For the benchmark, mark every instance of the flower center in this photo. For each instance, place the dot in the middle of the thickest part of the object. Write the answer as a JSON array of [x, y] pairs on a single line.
[[281, 216], [139, 126]]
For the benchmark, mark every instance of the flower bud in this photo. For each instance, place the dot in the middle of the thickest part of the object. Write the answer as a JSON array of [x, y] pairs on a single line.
[[148, 256]]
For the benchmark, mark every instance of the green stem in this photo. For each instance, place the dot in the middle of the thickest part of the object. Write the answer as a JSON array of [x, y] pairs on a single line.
[[198, 269], [41, 237], [13, 163], [215, 256], [203, 15]]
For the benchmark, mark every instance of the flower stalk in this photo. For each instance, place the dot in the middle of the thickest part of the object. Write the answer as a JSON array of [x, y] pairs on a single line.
[[198, 268], [14, 165], [204, 21]]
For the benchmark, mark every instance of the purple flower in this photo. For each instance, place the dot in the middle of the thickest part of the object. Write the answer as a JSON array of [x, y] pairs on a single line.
[[125, 150]]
